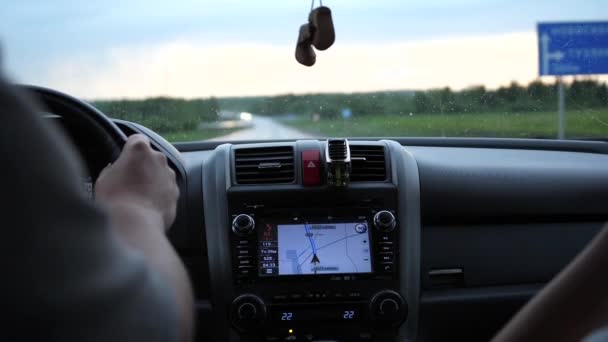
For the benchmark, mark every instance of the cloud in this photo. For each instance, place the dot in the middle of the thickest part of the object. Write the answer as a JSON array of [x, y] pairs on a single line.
[[189, 69]]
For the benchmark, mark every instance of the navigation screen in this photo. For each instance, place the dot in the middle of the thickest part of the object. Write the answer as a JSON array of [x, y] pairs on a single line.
[[309, 249]]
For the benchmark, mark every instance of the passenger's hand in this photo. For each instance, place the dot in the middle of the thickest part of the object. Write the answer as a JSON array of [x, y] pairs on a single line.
[[140, 177]]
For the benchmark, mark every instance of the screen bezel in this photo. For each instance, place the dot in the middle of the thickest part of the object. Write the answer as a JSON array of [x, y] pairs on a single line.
[[317, 220]]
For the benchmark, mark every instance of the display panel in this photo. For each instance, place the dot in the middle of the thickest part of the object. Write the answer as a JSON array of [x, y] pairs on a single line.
[[315, 314], [315, 249]]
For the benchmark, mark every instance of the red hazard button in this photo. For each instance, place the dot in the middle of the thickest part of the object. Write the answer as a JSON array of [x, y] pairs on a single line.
[[311, 167]]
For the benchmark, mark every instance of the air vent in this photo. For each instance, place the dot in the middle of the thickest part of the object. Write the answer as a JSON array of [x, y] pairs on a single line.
[[264, 165], [337, 150], [368, 163]]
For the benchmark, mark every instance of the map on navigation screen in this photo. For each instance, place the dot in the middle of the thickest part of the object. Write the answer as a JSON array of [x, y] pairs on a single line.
[[328, 248]]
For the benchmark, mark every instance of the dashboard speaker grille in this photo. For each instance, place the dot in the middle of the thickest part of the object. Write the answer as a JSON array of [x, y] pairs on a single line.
[[264, 165], [368, 163]]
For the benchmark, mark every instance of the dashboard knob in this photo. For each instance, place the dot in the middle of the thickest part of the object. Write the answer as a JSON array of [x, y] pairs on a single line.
[[385, 221], [243, 224], [387, 307], [248, 312]]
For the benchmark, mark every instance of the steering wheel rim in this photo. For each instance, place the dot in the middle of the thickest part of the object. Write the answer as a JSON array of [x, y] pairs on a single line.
[[76, 110]]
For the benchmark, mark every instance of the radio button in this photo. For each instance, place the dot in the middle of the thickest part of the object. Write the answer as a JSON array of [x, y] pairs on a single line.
[[386, 267], [243, 252], [386, 248], [279, 298], [386, 257], [385, 238], [296, 296], [354, 295], [245, 261], [245, 270]]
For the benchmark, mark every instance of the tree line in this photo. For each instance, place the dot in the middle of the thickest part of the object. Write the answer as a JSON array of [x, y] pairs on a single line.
[[165, 114], [514, 98]]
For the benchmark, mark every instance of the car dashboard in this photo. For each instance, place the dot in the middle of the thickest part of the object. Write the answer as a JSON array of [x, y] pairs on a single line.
[[428, 239]]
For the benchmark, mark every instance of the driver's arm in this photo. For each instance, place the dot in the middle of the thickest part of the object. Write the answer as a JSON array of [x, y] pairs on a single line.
[[71, 270], [573, 305], [140, 194]]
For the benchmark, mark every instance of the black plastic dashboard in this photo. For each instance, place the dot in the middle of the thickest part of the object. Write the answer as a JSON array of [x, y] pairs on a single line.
[[499, 218], [483, 224]]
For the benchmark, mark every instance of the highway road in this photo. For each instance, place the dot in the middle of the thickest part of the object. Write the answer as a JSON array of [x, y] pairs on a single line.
[[264, 128]]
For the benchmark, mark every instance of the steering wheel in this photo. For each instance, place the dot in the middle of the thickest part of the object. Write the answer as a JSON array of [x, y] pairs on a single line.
[[100, 131]]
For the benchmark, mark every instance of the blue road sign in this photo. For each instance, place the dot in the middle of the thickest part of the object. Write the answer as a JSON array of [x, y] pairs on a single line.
[[573, 48]]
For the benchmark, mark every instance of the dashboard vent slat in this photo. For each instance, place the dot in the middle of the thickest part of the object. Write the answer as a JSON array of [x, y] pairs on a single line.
[[264, 159], [368, 163], [255, 166], [337, 149], [264, 165]]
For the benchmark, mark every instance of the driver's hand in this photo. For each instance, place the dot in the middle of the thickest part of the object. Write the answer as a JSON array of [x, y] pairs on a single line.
[[140, 177]]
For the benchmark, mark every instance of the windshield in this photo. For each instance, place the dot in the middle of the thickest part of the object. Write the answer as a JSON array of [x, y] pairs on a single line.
[[225, 70]]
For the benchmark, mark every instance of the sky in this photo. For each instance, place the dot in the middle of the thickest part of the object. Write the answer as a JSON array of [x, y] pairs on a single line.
[[187, 48]]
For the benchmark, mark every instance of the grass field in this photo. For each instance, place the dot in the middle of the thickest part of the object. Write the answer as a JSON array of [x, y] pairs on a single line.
[[579, 124], [196, 135]]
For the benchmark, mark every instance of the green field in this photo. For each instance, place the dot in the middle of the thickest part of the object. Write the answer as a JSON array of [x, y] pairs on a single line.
[[579, 124], [196, 135]]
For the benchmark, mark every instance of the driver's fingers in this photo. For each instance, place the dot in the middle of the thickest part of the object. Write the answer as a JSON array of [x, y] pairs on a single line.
[[161, 158], [137, 142], [104, 171], [137, 151], [172, 175]]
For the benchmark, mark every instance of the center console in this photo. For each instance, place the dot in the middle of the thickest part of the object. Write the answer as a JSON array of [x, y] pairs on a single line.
[[314, 262], [316, 272]]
